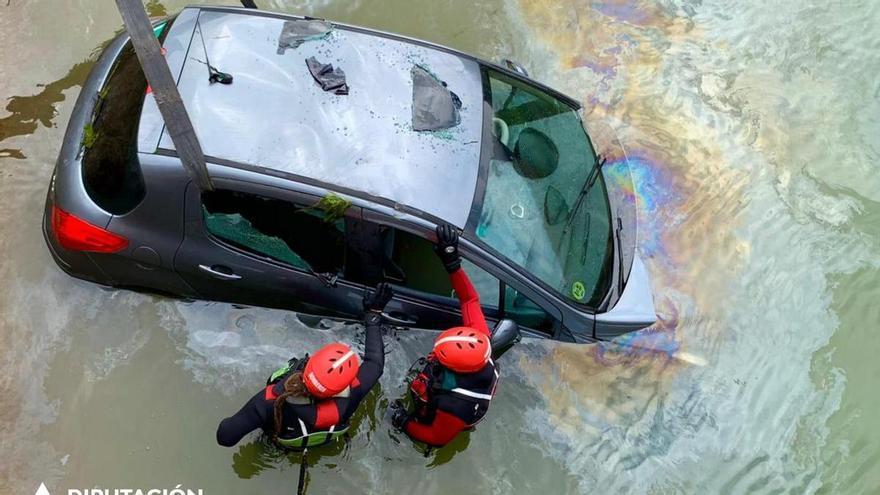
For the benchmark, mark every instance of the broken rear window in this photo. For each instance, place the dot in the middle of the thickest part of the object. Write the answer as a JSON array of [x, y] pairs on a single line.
[[110, 167]]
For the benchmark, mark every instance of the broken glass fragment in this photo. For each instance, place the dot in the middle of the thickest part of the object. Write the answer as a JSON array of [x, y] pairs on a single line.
[[295, 33], [434, 107]]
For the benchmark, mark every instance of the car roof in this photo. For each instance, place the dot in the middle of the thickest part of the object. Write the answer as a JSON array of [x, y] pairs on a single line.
[[275, 116]]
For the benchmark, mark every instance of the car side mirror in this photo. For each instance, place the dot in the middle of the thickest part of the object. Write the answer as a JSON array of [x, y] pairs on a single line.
[[506, 334]]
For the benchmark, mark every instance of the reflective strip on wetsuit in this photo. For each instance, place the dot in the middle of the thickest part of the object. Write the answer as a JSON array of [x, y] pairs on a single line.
[[314, 439], [477, 395], [469, 393]]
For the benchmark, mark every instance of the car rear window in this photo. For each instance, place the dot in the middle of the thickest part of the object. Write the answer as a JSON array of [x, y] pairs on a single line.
[[111, 170]]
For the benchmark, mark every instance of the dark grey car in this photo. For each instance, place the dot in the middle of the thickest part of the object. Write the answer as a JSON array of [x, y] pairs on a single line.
[[318, 194]]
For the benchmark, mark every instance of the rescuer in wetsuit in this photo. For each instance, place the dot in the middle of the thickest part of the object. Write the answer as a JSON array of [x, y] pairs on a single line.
[[453, 390], [308, 403]]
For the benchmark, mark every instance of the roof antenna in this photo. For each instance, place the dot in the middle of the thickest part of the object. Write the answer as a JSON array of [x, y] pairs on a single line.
[[214, 75], [249, 4]]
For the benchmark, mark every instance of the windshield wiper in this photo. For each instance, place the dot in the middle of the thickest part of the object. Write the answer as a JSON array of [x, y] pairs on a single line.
[[620, 278], [585, 189]]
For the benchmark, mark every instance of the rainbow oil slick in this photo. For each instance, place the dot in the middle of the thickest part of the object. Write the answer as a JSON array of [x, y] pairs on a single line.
[[732, 390]]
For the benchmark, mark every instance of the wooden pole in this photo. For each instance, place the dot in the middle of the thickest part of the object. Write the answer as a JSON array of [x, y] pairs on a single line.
[[177, 122]]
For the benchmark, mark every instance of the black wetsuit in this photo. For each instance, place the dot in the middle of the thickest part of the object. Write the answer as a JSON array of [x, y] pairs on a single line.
[[259, 410]]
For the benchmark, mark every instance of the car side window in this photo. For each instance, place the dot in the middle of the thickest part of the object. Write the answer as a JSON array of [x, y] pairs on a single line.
[[413, 264], [297, 235], [526, 313]]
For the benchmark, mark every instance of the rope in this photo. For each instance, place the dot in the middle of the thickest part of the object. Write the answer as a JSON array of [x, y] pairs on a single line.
[[301, 489]]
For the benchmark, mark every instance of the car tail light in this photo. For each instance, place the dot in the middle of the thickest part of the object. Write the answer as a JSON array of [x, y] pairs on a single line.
[[78, 235]]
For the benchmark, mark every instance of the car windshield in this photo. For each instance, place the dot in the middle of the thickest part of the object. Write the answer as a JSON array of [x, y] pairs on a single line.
[[537, 171]]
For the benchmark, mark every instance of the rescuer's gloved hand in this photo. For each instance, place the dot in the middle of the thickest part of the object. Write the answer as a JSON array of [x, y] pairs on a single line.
[[447, 247], [399, 416], [375, 301]]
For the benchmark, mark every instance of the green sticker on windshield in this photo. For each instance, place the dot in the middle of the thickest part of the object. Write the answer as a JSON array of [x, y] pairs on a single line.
[[578, 290]]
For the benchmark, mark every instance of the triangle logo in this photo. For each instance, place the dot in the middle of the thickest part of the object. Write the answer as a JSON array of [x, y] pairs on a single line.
[[42, 490]]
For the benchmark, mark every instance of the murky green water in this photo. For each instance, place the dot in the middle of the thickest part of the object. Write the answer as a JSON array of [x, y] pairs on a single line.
[[753, 129]]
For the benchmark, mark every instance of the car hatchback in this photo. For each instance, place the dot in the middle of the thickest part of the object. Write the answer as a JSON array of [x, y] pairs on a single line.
[[319, 192]]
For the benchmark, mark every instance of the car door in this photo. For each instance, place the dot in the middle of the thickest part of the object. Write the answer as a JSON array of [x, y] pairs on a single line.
[[424, 288], [382, 251], [425, 294], [260, 245]]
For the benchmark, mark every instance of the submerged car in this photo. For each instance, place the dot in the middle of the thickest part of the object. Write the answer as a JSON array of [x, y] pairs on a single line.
[[322, 189]]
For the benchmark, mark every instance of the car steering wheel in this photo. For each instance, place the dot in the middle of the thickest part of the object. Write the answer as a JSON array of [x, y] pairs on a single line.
[[500, 130]]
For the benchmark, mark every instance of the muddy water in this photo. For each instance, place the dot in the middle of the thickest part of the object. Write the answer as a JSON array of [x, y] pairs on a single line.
[[752, 134]]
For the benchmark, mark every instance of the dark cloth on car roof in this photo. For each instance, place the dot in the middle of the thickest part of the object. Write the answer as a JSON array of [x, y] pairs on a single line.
[[329, 78]]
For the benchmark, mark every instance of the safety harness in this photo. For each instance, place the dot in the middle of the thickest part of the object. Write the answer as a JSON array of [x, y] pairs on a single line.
[[327, 427], [435, 380]]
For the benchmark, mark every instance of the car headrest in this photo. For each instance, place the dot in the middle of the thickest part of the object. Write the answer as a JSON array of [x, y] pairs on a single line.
[[535, 154]]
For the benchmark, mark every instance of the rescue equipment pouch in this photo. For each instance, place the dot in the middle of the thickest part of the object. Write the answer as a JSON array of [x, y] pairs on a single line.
[[433, 381], [293, 364], [313, 439]]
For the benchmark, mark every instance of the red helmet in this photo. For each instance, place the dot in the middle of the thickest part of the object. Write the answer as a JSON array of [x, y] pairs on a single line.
[[331, 370], [462, 349]]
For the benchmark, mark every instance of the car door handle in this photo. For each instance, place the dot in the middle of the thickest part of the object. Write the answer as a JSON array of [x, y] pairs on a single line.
[[400, 319], [218, 274]]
